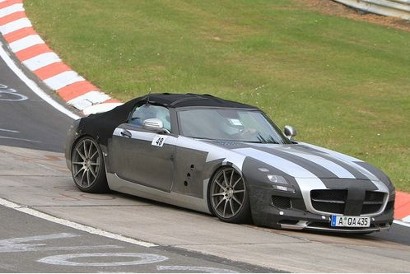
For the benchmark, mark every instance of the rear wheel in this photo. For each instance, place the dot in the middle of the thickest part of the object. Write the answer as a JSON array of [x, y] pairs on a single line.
[[228, 196], [87, 166]]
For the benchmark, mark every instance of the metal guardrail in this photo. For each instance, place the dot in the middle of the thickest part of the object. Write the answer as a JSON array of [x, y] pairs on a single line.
[[394, 8]]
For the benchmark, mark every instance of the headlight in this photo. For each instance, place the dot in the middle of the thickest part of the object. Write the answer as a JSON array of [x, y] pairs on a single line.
[[277, 179], [280, 183]]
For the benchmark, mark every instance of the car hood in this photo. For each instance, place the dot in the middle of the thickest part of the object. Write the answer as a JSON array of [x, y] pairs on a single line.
[[305, 161]]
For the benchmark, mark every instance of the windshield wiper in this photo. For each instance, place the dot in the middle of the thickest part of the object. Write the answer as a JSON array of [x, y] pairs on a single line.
[[270, 140]]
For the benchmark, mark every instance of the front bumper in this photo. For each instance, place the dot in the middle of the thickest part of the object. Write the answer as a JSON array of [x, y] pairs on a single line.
[[285, 210], [72, 135]]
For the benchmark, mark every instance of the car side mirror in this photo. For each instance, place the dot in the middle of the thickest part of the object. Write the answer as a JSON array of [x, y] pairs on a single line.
[[290, 132], [155, 124]]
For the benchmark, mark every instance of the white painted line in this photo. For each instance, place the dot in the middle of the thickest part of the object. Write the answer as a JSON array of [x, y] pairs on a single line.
[[194, 269], [9, 130], [41, 61], [33, 86], [69, 259], [11, 9], [401, 223], [26, 42], [406, 219], [74, 225], [63, 79], [15, 25], [89, 99], [19, 139]]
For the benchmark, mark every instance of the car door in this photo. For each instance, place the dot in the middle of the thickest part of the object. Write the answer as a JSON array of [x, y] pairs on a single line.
[[142, 156]]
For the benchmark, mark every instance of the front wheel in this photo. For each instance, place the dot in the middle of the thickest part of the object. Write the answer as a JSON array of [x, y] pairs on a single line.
[[228, 196], [87, 166]]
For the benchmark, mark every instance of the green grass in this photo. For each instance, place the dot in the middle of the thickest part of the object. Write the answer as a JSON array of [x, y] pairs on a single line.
[[343, 84]]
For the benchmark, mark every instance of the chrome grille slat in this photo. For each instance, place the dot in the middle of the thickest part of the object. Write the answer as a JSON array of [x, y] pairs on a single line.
[[328, 201], [372, 203]]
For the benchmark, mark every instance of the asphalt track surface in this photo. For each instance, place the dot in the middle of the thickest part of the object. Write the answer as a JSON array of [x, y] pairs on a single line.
[[48, 247]]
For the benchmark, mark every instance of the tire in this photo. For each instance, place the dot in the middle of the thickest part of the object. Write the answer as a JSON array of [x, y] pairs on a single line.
[[87, 166], [228, 196]]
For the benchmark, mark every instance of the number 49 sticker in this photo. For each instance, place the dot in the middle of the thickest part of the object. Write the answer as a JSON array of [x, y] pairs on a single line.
[[159, 140]]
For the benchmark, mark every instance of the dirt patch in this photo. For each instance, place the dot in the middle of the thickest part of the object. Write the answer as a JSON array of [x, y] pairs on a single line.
[[333, 8]]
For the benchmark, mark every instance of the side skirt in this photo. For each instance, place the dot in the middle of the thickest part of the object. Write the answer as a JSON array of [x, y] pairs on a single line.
[[117, 184]]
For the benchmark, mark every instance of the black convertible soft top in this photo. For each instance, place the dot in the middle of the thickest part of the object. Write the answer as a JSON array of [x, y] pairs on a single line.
[[101, 126], [187, 100]]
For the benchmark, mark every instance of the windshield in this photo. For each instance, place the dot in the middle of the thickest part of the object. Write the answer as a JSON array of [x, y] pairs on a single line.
[[242, 125]]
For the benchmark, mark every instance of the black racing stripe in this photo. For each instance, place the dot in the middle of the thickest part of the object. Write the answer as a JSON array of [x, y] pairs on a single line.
[[228, 144], [349, 184], [313, 167], [357, 174], [375, 171], [318, 170]]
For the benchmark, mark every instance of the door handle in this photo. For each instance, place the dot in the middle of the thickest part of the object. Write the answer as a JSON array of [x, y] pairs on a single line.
[[126, 133]]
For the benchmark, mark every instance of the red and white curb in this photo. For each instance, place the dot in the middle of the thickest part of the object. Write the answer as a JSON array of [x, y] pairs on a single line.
[[37, 57], [402, 207]]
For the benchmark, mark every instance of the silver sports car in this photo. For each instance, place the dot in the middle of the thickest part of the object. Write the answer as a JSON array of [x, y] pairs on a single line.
[[227, 159]]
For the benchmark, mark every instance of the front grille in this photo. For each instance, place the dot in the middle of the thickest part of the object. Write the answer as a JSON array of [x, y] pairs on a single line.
[[334, 201], [329, 200], [373, 202]]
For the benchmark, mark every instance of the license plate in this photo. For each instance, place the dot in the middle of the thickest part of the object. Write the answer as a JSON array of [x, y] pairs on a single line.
[[350, 221]]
